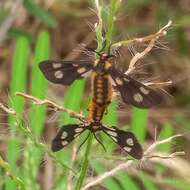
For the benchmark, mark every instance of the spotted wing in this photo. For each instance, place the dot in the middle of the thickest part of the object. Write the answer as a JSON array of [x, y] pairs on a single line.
[[66, 135], [134, 92], [64, 72], [126, 140]]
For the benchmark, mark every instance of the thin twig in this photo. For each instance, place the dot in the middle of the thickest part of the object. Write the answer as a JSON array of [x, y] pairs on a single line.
[[128, 163], [160, 33], [157, 143], [52, 105], [112, 172], [152, 40], [173, 155], [7, 109], [10, 19], [159, 84]]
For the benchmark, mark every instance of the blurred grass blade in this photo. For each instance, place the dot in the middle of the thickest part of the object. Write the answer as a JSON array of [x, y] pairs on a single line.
[[177, 183], [72, 100], [127, 181], [18, 83], [44, 16], [32, 153], [7, 169], [166, 132], [39, 83], [15, 33], [18, 75], [148, 182], [139, 123], [109, 183]]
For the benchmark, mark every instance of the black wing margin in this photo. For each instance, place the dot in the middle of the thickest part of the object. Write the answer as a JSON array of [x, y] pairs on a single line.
[[64, 72], [134, 92], [126, 140], [66, 135]]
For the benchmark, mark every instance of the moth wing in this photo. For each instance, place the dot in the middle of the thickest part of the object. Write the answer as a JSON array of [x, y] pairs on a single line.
[[126, 140], [65, 136], [134, 92], [64, 72]]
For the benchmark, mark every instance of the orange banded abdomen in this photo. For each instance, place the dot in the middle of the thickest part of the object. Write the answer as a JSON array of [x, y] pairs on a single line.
[[101, 89], [101, 96], [96, 112]]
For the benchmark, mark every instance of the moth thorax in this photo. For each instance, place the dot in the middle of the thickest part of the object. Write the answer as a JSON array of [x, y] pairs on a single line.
[[96, 126]]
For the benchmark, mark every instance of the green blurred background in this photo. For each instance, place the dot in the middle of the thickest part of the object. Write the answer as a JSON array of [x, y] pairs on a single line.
[[34, 30]]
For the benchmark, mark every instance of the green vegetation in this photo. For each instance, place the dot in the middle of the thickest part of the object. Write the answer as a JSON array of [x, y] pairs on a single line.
[[48, 31]]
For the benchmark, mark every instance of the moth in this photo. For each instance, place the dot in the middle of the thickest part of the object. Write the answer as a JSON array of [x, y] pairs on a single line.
[[132, 91], [125, 139]]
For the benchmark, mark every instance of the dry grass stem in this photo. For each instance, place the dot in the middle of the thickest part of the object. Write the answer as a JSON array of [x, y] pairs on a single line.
[[98, 180], [173, 155], [159, 84], [5, 26], [152, 147], [52, 105], [128, 163], [7, 109], [152, 40]]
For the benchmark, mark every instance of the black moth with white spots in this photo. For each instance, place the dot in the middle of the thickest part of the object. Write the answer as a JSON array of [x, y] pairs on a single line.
[[132, 91], [64, 72], [126, 140]]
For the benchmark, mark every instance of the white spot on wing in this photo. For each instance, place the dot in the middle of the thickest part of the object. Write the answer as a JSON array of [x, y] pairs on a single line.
[[78, 130], [56, 65], [126, 79], [144, 90], [128, 149], [112, 133], [138, 97], [64, 143], [86, 74], [64, 135], [58, 74], [130, 142], [119, 81], [81, 70], [114, 139], [76, 135]]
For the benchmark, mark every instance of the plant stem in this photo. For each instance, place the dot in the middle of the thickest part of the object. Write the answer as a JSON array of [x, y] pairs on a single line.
[[85, 163], [114, 5]]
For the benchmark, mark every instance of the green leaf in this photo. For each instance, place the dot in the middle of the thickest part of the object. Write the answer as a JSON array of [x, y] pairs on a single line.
[[139, 123], [15, 33], [17, 83], [39, 84], [127, 181], [166, 132], [147, 182]]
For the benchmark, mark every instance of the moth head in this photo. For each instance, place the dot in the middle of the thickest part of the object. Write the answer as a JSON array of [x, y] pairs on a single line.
[[106, 57]]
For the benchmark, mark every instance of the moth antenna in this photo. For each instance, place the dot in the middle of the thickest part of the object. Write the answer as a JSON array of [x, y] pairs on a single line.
[[83, 142], [103, 47], [92, 50], [100, 142]]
